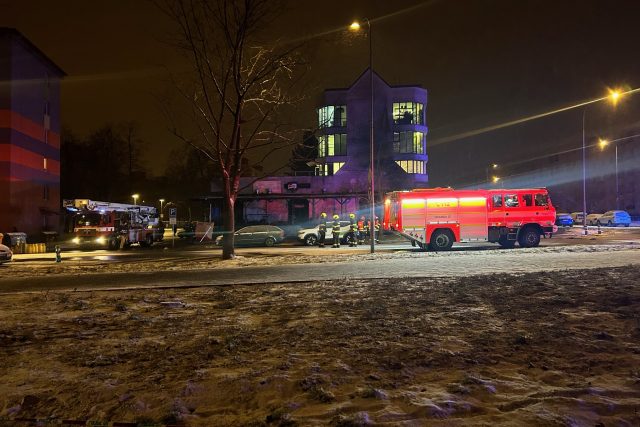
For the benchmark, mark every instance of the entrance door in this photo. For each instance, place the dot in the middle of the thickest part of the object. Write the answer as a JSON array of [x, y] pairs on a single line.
[[298, 211]]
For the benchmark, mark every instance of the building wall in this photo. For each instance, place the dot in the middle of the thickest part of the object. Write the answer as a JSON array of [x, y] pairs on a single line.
[[389, 176], [29, 138]]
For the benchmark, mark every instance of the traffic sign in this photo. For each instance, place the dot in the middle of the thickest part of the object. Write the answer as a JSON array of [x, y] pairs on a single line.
[[173, 213]]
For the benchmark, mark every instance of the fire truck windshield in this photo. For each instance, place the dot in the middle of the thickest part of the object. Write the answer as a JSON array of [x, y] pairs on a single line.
[[88, 219]]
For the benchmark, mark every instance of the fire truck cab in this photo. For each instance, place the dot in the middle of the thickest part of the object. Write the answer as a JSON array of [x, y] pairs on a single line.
[[113, 225], [436, 218]]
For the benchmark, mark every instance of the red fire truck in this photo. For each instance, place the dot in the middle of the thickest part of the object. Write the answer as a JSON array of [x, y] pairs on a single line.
[[436, 218], [113, 225]]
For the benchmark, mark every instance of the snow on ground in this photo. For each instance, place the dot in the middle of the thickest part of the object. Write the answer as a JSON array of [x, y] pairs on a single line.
[[550, 348], [211, 259]]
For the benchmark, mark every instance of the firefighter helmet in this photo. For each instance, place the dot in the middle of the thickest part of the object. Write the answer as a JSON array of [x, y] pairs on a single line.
[[323, 215], [336, 216], [352, 216]]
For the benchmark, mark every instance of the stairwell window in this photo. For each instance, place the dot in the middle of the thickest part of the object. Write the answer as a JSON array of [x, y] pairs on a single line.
[[332, 145], [408, 142], [332, 115], [329, 169], [408, 113], [412, 166]]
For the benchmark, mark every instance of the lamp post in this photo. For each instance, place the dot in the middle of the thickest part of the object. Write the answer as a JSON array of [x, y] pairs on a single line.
[[161, 202], [603, 143], [493, 178], [613, 97], [355, 26], [135, 198]]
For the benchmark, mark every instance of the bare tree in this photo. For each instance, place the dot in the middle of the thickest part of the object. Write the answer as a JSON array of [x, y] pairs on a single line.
[[236, 88]]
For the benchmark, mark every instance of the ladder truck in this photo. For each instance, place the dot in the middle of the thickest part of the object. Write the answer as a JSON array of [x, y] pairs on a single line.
[[113, 225]]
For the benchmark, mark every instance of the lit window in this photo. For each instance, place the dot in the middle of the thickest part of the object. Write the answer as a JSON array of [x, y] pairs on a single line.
[[412, 166], [44, 163], [332, 145], [408, 142], [332, 115], [408, 113], [331, 168]]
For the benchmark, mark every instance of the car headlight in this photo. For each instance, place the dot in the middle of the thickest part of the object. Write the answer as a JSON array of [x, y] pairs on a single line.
[[76, 240], [101, 240]]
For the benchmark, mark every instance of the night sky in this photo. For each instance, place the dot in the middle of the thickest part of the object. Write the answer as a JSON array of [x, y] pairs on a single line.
[[482, 62]]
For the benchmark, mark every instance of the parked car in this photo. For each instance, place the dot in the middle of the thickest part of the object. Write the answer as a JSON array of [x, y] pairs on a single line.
[[592, 219], [564, 220], [309, 236], [614, 218], [256, 235], [5, 254], [577, 217]]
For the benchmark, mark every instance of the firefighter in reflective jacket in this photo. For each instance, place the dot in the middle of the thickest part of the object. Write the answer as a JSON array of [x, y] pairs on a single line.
[[361, 225], [322, 229], [376, 226], [335, 229], [352, 236]]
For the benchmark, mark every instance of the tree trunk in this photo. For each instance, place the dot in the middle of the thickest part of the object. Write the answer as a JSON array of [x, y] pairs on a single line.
[[228, 215]]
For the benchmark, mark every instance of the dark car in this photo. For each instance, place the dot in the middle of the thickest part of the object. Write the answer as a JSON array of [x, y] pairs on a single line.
[[256, 235], [564, 220]]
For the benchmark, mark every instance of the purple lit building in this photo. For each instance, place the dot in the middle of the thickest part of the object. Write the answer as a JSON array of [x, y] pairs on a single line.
[[29, 136], [340, 182]]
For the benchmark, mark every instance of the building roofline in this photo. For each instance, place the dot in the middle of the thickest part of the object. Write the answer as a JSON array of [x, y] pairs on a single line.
[[17, 35], [380, 77]]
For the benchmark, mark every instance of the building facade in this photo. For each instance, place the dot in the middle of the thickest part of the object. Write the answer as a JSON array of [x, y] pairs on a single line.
[[340, 184], [29, 137]]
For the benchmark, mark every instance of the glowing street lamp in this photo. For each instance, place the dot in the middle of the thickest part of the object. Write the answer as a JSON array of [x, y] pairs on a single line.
[[135, 198], [491, 166], [603, 143], [613, 97], [495, 179], [161, 202], [355, 26]]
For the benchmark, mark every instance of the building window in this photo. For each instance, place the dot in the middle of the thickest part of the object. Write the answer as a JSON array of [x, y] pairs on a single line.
[[332, 145], [332, 115], [412, 166], [408, 142], [329, 169], [44, 163], [408, 113]]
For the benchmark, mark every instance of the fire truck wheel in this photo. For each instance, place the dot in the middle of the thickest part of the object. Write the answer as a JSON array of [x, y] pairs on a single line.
[[529, 237], [441, 240]]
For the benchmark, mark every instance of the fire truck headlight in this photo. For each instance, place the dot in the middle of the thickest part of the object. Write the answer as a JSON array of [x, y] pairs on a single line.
[[75, 240], [101, 240]]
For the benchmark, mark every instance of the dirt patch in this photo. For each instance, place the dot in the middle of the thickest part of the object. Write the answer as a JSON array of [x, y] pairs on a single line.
[[559, 348]]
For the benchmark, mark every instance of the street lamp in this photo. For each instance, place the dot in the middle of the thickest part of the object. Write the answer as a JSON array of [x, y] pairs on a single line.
[[135, 198], [355, 26], [495, 179], [491, 166], [613, 97], [161, 202], [603, 144]]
